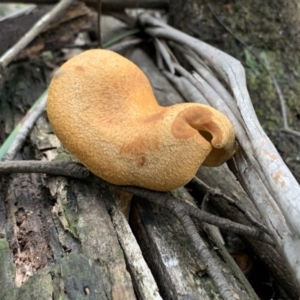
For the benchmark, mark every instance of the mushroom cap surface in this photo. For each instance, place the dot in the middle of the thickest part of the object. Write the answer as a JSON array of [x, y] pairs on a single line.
[[103, 110]]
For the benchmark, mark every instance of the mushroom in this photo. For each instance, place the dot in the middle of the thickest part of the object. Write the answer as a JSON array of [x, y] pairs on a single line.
[[103, 110]]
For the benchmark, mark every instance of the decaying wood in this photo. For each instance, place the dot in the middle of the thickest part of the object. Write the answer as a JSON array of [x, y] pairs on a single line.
[[170, 246], [82, 212], [41, 233]]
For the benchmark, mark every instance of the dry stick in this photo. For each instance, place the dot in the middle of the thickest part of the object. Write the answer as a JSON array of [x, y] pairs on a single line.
[[202, 69], [76, 170], [146, 286], [278, 189], [217, 192], [215, 85], [164, 54], [26, 10], [27, 124], [189, 92], [213, 268], [291, 131], [208, 85], [125, 44], [58, 168], [158, 57], [163, 199], [37, 28], [117, 47]]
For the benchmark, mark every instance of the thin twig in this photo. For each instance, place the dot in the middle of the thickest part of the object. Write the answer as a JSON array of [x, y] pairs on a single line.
[[145, 284], [163, 199], [223, 252], [78, 171], [23, 128], [25, 10], [165, 53], [121, 36], [188, 91], [125, 44], [217, 192], [57, 168], [215, 84], [290, 131], [213, 268]]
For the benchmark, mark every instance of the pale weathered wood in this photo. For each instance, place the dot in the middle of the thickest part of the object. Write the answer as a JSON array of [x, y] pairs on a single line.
[[223, 179], [144, 282], [262, 172]]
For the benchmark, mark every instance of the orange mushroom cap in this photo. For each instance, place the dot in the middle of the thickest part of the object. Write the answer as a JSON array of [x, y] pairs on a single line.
[[103, 110]]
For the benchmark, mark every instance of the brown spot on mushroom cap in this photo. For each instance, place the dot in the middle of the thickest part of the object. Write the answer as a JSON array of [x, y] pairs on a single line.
[[103, 110], [142, 161], [79, 68]]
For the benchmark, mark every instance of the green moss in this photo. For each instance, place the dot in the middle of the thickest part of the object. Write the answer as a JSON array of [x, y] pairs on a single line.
[[39, 286], [77, 277], [8, 290]]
